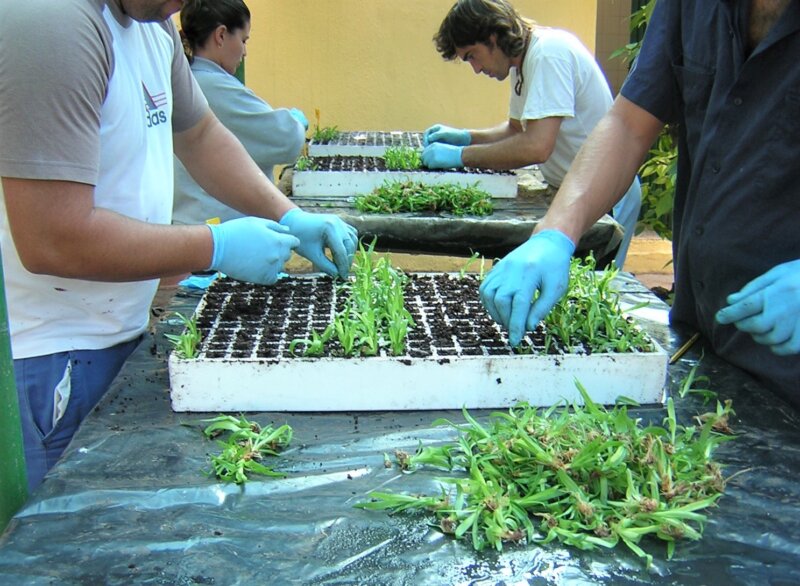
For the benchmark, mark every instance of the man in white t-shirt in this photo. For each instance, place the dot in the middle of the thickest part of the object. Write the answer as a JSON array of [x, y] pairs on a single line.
[[95, 97], [558, 96]]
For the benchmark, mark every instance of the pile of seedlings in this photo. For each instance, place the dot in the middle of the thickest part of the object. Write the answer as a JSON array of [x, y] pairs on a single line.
[[372, 315], [412, 196], [244, 446], [587, 477]]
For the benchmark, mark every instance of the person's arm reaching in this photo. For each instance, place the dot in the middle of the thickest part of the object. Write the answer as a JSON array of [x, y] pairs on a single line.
[[507, 146], [599, 176]]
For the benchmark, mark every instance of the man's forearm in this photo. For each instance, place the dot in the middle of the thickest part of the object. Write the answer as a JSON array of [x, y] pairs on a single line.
[[603, 170]]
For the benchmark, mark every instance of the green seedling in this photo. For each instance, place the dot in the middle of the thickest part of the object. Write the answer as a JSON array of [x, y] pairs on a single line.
[[589, 316], [186, 342], [584, 475], [305, 163], [373, 315], [411, 196], [402, 158], [462, 273], [325, 134], [244, 445]]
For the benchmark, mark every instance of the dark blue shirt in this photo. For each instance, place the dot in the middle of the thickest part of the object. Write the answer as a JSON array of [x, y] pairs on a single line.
[[737, 201]]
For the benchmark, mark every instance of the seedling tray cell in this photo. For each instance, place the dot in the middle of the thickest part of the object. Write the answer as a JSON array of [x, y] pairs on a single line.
[[456, 356], [364, 143], [349, 176]]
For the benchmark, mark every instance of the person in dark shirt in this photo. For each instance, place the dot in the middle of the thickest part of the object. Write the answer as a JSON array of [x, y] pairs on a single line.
[[722, 73]]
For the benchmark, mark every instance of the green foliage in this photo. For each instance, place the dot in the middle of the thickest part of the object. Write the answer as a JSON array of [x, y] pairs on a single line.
[[659, 170], [373, 316], [305, 163], [186, 342], [325, 134], [587, 477], [411, 196], [402, 158], [589, 317], [244, 446]]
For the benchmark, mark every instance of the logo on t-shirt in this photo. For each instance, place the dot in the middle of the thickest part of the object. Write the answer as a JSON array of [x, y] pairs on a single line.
[[153, 104]]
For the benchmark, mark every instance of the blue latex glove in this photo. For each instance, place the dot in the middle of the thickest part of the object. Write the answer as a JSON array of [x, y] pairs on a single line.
[[768, 308], [299, 116], [251, 249], [540, 264], [447, 135], [320, 231], [442, 156]]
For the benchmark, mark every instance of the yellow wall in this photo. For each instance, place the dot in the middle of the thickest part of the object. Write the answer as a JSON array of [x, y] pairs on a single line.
[[371, 64]]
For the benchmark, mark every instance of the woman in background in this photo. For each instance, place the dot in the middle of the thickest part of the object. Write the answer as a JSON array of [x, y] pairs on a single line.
[[215, 34]]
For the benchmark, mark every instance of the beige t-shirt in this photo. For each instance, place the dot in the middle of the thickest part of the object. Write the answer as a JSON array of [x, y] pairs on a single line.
[[88, 95]]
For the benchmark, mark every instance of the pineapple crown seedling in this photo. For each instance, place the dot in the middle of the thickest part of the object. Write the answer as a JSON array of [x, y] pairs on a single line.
[[186, 342], [402, 158], [373, 314], [411, 196], [586, 476]]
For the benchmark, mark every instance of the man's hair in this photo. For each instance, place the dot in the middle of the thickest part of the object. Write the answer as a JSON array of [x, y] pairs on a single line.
[[200, 18], [474, 21]]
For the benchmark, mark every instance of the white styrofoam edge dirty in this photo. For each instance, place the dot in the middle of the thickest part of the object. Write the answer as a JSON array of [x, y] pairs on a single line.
[[349, 183], [388, 384]]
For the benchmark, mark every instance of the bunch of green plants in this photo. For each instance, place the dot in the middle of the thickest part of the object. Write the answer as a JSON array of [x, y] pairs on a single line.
[[244, 445], [373, 315], [325, 133], [305, 163], [412, 196], [587, 477], [402, 158], [658, 172], [186, 342], [589, 317]]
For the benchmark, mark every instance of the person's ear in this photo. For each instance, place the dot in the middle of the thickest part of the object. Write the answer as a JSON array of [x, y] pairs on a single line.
[[219, 35]]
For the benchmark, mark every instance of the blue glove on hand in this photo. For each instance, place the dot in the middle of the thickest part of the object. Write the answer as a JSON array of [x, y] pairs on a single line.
[[540, 264], [299, 116], [442, 156], [320, 231], [768, 308], [446, 134], [251, 249]]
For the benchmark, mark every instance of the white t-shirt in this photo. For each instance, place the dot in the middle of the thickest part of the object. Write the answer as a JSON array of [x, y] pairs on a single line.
[[89, 96], [560, 78]]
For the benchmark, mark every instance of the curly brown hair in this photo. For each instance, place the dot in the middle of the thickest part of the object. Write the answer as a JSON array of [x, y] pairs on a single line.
[[474, 21]]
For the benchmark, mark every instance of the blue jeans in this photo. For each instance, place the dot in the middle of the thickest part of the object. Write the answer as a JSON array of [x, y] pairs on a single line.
[[626, 212], [55, 393]]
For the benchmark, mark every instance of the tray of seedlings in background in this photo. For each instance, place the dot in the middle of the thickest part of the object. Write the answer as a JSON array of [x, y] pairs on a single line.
[[385, 340], [363, 143], [357, 175]]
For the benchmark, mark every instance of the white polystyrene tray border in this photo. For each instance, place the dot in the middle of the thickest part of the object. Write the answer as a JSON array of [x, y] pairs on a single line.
[[350, 183], [387, 384]]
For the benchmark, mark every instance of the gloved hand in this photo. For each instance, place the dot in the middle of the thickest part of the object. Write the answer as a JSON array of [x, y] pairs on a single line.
[[442, 156], [540, 264], [768, 308], [320, 231], [299, 116], [447, 135], [251, 249]]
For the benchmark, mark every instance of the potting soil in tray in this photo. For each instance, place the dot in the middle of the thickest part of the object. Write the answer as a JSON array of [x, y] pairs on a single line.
[[456, 356]]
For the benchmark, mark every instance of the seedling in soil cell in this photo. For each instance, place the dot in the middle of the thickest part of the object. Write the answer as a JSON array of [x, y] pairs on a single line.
[[411, 196], [402, 158], [586, 476], [186, 343], [304, 164], [373, 314], [244, 446]]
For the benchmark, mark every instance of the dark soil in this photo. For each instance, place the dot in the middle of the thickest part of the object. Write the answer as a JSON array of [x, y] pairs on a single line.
[[240, 320]]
